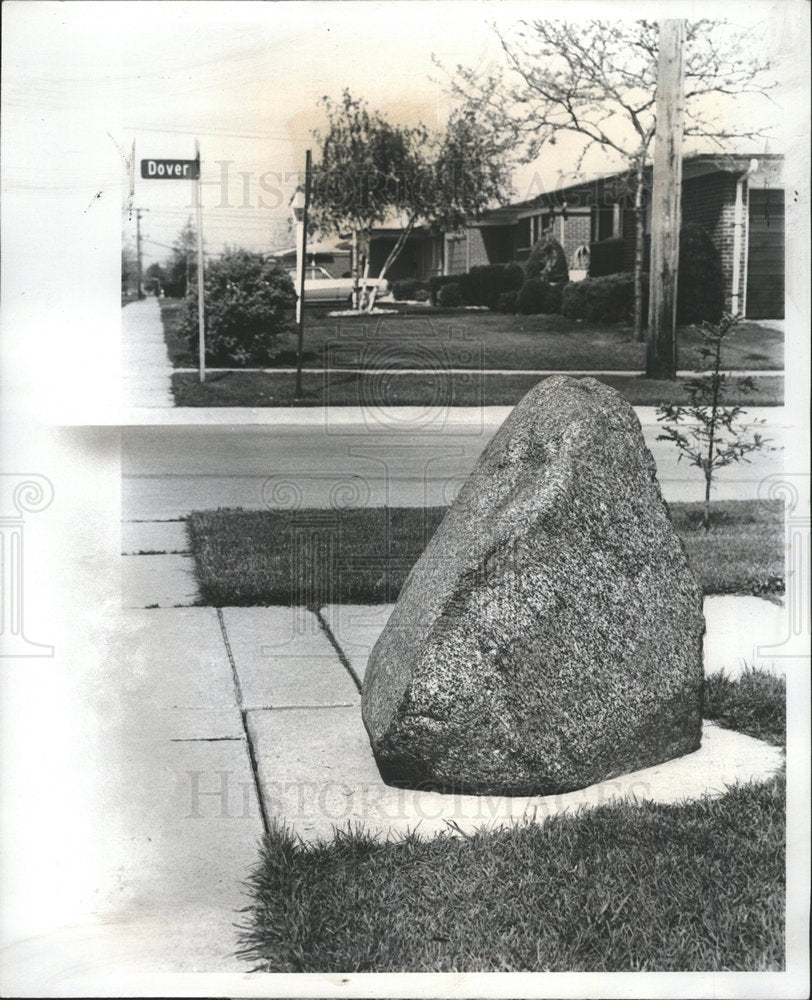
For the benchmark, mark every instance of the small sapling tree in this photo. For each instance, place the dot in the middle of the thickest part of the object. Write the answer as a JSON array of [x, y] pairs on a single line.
[[707, 432]]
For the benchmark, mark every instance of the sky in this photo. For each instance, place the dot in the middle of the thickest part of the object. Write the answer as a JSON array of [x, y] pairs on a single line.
[[85, 83]]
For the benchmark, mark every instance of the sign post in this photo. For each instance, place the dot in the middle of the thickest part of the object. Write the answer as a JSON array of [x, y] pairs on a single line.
[[201, 328], [171, 170]]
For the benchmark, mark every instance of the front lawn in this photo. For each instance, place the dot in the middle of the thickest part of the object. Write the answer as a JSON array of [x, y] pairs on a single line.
[[442, 339], [363, 555], [698, 886]]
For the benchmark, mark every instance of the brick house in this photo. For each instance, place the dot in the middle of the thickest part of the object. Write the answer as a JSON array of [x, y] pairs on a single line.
[[739, 200]]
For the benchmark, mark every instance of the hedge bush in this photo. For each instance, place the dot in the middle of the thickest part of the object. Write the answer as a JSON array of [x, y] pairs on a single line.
[[437, 281], [507, 302], [482, 285], [409, 289], [539, 296], [532, 297], [608, 299], [700, 287], [607, 257], [450, 295], [548, 261], [249, 303]]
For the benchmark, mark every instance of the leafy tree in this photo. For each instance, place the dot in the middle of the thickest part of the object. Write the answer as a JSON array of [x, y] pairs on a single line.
[[597, 81], [129, 270], [181, 271], [155, 278], [248, 304], [714, 435], [370, 169]]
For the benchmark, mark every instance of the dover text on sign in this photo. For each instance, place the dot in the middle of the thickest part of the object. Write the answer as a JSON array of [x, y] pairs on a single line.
[[171, 169]]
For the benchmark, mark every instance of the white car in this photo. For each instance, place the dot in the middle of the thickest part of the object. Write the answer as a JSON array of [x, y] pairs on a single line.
[[321, 286]]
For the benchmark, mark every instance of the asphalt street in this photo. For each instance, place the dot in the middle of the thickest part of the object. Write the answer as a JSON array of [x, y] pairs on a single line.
[[168, 471]]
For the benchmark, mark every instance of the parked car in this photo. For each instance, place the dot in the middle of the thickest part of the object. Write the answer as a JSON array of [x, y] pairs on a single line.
[[321, 286]]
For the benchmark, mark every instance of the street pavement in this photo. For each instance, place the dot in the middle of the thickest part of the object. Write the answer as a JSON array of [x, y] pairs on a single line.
[[327, 459]]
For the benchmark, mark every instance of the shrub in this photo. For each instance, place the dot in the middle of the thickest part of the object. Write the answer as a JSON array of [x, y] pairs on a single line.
[[552, 299], [421, 294], [548, 261], [607, 257], [450, 295], [506, 302], [482, 285], [438, 281], [249, 303], [408, 289], [700, 286], [532, 296], [514, 277], [539, 296], [607, 299]]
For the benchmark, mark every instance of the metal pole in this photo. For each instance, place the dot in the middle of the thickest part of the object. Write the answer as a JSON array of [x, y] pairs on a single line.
[[201, 335], [138, 250], [303, 258]]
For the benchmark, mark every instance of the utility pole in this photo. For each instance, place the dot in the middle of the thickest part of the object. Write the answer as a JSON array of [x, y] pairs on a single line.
[[666, 196], [138, 212]]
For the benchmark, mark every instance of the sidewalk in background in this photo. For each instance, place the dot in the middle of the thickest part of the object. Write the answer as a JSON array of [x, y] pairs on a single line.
[[145, 367]]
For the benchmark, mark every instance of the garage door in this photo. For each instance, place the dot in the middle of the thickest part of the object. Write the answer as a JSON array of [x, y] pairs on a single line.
[[765, 259]]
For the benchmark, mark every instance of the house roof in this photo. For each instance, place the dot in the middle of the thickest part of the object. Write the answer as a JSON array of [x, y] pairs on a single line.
[[767, 171]]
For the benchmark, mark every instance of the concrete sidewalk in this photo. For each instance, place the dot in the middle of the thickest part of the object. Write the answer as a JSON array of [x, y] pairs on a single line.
[[145, 367]]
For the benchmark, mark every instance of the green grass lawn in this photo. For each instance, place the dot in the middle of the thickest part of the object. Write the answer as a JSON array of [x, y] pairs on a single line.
[[441, 339], [363, 555], [698, 886], [434, 389]]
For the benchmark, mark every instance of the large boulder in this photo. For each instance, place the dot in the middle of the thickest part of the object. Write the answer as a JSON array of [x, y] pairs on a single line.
[[550, 636]]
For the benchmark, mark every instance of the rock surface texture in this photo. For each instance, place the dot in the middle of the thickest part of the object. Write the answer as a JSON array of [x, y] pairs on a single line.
[[550, 636]]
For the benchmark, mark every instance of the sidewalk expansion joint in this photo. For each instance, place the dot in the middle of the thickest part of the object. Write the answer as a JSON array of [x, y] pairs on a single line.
[[297, 708], [209, 739], [252, 757], [339, 651]]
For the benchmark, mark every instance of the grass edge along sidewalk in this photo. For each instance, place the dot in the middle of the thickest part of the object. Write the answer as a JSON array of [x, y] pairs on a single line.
[[438, 388], [363, 555], [697, 886]]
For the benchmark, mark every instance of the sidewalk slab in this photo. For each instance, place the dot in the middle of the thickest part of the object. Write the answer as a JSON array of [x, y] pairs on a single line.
[[329, 779], [283, 659], [175, 798], [190, 824], [145, 366], [356, 628], [178, 660], [165, 581], [745, 632], [153, 536]]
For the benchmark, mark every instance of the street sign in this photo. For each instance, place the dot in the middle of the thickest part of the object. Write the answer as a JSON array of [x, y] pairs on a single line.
[[171, 169]]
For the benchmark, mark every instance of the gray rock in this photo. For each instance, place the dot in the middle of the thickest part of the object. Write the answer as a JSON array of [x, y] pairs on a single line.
[[550, 636]]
